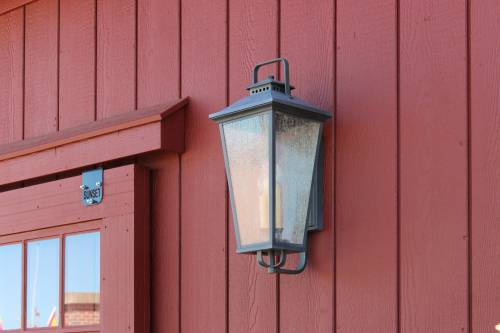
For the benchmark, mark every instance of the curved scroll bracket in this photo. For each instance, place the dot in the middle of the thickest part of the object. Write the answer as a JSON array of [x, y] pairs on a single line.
[[274, 266]]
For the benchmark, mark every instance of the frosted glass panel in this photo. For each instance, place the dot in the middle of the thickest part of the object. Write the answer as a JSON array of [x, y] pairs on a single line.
[[247, 148], [42, 308], [10, 286], [82, 279], [296, 143]]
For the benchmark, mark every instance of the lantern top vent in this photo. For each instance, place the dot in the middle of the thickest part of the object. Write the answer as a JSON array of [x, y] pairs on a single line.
[[271, 94], [268, 84]]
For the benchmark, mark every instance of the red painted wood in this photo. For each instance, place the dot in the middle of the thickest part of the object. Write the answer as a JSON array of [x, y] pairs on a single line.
[[307, 40], [165, 194], [253, 38], [6, 6], [77, 63], [158, 113], [204, 197], [41, 73], [366, 206], [11, 76], [76, 155], [158, 71], [485, 163], [38, 206], [433, 194], [116, 57], [125, 253], [158, 51]]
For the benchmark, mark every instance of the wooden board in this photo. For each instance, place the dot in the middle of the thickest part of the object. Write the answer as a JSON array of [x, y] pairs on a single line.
[[433, 152], [485, 164], [11, 75], [37, 207], [158, 52], [6, 6], [366, 186], [41, 68], [203, 201], [253, 38], [125, 253], [158, 74], [95, 143], [307, 40], [77, 63], [116, 57]]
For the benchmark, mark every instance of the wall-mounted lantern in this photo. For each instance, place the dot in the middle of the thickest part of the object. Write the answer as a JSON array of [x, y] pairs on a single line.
[[271, 142]]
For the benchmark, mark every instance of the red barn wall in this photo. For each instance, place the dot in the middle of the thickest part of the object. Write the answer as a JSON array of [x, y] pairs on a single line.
[[412, 155]]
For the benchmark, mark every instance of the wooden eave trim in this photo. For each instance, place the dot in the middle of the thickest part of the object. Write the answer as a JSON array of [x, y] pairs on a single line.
[[8, 5], [98, 128]]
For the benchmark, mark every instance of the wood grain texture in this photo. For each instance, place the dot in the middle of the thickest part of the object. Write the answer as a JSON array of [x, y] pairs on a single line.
[[485, 163], [34, 207], [158, 74], [204, 195], [307, 40], [41, 72], [433, 120], [116, 57], [11, 76], [366, 219], [77, 63], [158, 51], [253, 38], [154, 114], [6, 6], [165, 194], [81, 154]]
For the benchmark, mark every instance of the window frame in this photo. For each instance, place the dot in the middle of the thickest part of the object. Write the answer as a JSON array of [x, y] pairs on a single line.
[[54, 210]]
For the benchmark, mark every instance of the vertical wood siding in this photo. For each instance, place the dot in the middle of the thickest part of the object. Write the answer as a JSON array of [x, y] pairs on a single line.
[[411, 158]]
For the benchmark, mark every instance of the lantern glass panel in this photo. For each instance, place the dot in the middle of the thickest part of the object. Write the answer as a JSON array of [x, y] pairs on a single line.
[[247, 154], [296, 146]]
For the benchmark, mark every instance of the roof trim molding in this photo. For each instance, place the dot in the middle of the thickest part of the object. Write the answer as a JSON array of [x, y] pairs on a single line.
[[133, 133], [7, 6]]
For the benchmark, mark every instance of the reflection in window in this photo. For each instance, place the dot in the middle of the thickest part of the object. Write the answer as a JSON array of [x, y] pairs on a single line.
[[10, 286], [42, 294], [82, 279]]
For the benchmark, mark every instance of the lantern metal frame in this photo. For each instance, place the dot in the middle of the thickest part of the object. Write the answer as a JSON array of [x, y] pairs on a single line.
[[278, 99]]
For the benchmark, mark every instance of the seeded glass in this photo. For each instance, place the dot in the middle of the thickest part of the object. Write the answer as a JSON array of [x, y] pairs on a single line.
[[42, 308], [247, 149], [82, 279], [10, 286], [296, 144]]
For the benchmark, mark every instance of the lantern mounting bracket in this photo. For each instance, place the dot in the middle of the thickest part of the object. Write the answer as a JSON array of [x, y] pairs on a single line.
[[277, 267]]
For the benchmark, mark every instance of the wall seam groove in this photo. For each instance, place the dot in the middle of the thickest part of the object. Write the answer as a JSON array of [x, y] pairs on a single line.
[[95, 57], [136, 55], [179, 263], [334, 167], [58, 64], [398, 170], [469, 166], [334, 190], [23, 130]]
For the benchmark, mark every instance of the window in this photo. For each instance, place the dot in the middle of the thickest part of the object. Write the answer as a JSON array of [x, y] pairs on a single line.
[[46, 273], [10, 286], [66, 268]]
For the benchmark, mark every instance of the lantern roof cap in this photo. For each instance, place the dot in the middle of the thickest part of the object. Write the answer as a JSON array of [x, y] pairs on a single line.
[[275, 98]]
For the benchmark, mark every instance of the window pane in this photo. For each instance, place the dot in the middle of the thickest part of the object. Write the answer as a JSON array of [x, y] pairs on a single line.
[[82, 279], [296, 143], [43, 283], [10, 286], [247, 148]]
